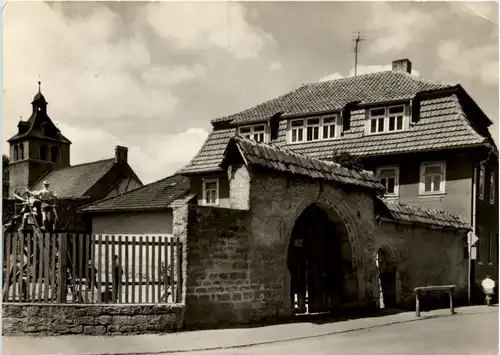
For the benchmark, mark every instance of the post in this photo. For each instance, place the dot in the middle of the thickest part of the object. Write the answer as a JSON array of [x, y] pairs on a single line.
[[61, 296], [452, 309], [417, 306]]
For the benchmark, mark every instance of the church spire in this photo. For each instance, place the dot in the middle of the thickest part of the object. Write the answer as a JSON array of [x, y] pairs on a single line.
[[39, 103]]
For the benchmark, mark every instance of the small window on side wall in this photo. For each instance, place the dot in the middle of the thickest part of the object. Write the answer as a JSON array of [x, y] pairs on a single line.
[[432, 178], [43, 152], [210, 192], [481, 182], [389, 177], [492, 188]]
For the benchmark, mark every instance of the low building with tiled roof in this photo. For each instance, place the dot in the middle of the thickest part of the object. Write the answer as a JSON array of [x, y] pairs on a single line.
[[428, 144], [39, 152], [144, 210]]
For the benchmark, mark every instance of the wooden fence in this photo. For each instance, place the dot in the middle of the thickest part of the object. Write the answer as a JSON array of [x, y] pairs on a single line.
[[85, 268]]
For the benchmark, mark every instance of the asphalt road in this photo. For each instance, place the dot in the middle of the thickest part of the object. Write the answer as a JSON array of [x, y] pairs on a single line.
[[467, 334]]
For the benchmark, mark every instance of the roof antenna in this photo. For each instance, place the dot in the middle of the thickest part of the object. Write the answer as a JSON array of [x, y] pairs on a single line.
[[356, 49]]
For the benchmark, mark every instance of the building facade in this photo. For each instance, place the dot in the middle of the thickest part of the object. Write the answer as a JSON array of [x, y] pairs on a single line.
[[428, 143]]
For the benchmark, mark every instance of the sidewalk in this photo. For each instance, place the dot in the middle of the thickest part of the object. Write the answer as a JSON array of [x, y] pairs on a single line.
[[209, 339]]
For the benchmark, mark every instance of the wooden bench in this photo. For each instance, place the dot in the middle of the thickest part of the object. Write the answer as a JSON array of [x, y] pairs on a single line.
[[448, 288]]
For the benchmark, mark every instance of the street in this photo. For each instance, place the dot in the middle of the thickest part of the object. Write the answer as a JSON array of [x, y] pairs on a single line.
[[471, 334], [472, 330]]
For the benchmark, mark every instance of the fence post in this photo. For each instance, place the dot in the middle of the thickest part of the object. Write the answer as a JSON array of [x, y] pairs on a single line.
[[63, 248]]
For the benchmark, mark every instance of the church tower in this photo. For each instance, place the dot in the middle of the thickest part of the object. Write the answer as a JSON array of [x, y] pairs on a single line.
[[38, 147]]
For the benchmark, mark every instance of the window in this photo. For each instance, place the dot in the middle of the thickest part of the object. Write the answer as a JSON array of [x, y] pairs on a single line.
[[389, 177], [432, 178], [481, 182], [54, 152], [16, 153], [21, 151], [43, 152], [255, 132], [314, 129], [211, 192], [297, 131], [386, 119], [492, 189], [479, 244], [491, 247]]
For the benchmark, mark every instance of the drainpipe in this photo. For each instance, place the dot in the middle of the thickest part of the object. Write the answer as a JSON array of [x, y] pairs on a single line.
[[474, 182]]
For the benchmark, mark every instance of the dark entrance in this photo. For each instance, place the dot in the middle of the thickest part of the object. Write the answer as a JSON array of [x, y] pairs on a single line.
[[315, 263], [387, 277]]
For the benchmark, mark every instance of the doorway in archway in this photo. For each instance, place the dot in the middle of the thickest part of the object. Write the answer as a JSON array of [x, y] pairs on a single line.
[[317, 263], [386, 266]]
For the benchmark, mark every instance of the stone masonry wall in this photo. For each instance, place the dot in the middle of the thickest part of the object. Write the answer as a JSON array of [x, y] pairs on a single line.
[[56, 319], [218, 252], [277, 200], [424, 257], [235, 261]]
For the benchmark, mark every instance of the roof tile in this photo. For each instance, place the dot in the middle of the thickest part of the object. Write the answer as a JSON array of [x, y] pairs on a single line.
[[74, 181], [153, 196]]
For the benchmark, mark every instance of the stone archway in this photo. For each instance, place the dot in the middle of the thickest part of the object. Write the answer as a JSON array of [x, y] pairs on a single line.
[[385, 259], [320, 263]]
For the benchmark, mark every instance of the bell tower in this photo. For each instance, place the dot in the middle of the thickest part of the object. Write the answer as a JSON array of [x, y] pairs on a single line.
[[37, 148]]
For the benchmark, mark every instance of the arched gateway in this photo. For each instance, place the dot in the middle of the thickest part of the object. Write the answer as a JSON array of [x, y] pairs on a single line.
[[319, 261]]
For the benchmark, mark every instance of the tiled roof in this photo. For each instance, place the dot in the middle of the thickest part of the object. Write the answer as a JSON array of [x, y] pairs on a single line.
[[442, 124], [154, 196], [75, 181], [34, 128], [335, 94], [407, 213], [284, 160], [123, 186]]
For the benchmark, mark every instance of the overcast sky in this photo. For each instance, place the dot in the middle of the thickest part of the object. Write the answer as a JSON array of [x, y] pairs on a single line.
[[151, 76]]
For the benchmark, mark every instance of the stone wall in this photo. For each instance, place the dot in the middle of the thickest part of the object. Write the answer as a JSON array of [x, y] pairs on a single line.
[[56, 319], [217, 262], [424, 257], [235, 260]]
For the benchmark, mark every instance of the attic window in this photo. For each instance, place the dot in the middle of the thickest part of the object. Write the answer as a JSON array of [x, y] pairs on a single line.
[[387, 119], [314, 129], [256, 132]]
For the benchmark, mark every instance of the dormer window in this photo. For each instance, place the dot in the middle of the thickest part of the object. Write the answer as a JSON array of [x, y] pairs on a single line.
[[387, 119], [256, 132], [314, 129]]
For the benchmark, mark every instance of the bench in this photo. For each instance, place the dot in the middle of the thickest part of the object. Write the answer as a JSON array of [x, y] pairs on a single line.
[[448, 288]]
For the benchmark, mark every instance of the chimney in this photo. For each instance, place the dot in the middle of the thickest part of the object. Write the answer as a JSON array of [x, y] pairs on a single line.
[[403, 65], [121, 154]]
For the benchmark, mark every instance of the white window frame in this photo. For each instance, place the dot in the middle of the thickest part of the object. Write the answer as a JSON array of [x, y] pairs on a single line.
[[396, 179], [442, 186], [481, 183], [298, 129], [493, 191], [251, 134], [385, 119], [204, 190]]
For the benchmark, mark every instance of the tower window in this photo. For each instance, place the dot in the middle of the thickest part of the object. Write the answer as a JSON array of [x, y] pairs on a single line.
[[54, 152], [16, 153], [43, 152], [21, 151]]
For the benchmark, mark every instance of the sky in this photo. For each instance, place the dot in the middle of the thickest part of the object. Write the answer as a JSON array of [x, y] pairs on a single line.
[[151, 75]]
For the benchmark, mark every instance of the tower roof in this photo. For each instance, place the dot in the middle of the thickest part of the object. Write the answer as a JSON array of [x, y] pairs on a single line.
[[39, 125]]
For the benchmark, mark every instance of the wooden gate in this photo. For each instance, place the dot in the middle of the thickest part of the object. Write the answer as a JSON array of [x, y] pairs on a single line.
[[315, 263]]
